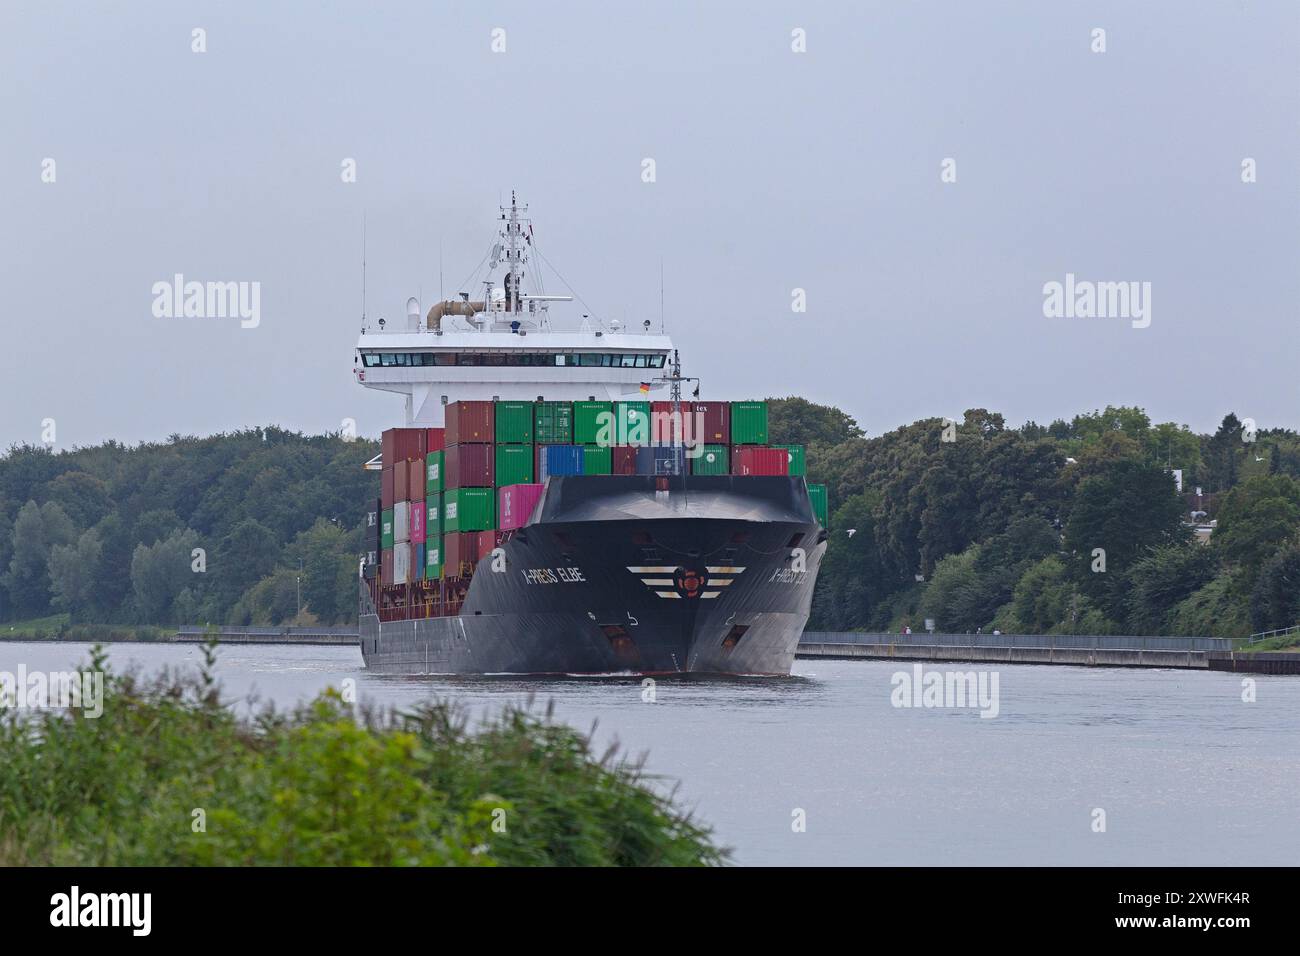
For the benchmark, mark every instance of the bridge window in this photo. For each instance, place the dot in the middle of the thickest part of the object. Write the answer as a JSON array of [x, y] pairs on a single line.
[[543, 359]]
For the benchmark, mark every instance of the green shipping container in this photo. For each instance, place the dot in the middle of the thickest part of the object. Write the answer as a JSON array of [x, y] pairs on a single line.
[[433, 473], [597, 460], [818, 495], [386, 530], [469, 509], [514, 423], [433, 515], [588, 420], [514, 464], [553, 423], [795, 454], [713, 460], [749, 423], [633, 423], [433, 558]]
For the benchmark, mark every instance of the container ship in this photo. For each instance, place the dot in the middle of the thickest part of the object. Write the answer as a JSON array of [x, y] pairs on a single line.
[[552, 504]]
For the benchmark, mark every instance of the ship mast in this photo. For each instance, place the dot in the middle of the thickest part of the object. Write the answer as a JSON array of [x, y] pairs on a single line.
[[674, 380]]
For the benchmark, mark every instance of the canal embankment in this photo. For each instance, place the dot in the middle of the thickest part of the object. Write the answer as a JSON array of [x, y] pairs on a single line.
[[1075, 650]]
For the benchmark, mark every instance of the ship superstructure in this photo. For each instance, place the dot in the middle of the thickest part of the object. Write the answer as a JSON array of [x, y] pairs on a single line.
[[501, 344]]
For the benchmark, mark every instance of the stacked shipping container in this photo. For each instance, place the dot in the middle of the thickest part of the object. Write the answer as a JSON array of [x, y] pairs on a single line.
[[445, 492]]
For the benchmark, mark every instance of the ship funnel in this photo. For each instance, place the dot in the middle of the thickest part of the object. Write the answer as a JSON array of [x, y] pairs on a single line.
[[450, 307]]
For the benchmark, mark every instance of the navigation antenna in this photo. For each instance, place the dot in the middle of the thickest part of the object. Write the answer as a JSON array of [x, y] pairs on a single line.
[[363, 270], [674, 380]]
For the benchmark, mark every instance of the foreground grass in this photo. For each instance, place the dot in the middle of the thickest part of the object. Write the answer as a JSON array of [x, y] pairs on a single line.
[[170, 775]]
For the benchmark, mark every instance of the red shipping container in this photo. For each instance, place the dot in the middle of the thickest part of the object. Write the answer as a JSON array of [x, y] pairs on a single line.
[[402, 444], [470, 423], [514, 505], [469, 466], [386, 488], [401, 482], [487, 542], [759, 460], [712, 420], [623, 460], [459, 549], [433, 440], [386, 567], [417, 525], [416, 480]]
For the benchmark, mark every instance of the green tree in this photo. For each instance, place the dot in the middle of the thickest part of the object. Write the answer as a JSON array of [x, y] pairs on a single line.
[[1211, 611], [37, 529], [72, 575], [160, 572], [248, 553], [1116, 516], [1275, 601], [1254, 520], [323, 550], [798, 421], [83, 497], [1162, 579], [1223, 454]]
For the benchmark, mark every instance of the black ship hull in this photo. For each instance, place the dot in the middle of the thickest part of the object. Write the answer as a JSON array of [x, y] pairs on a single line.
[[629, 574]]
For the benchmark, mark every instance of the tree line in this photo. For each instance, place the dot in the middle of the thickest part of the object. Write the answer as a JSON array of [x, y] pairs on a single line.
[[233, 528], [1072, 528]]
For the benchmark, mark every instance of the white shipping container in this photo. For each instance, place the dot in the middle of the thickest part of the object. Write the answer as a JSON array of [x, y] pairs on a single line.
[[402, 564], [402, 522]]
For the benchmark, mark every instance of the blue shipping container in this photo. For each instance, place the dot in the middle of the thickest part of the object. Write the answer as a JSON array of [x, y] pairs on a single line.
[[661, 460], [559, 460]]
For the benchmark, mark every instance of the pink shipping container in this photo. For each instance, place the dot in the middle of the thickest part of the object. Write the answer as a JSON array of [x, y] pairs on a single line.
[[417, 525], [758, 460], [433, 439], [415, 483], [469, 423], [402, 444], [469, 466], [515, 503]]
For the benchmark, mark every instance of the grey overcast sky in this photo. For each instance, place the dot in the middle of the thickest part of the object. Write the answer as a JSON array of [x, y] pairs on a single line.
[[775, 170]]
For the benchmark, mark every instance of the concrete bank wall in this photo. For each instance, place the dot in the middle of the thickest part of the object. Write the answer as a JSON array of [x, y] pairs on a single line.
[[194, 634], [1087, 657]]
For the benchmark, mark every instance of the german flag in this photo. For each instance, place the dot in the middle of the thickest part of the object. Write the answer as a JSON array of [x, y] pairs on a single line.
[[645, 388]]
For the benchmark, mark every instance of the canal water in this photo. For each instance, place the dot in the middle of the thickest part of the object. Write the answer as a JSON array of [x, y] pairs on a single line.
[[1184, 770]]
